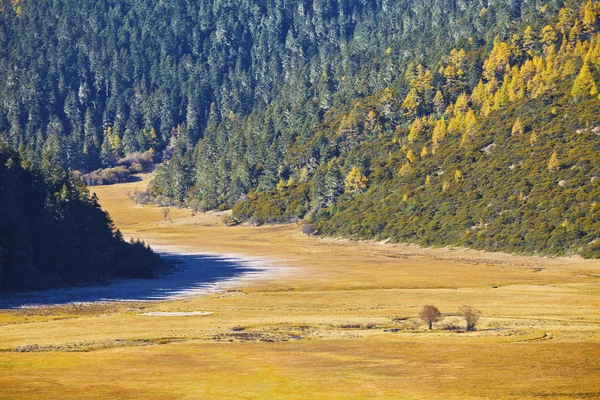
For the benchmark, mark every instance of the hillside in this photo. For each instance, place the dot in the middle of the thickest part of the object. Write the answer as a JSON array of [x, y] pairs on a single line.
[[52, 232], [439, 122]]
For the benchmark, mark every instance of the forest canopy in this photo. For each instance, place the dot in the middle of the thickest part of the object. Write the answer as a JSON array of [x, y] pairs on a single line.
[[440, 122]]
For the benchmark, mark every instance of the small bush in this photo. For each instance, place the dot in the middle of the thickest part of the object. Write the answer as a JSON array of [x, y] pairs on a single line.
[[228, 220], [309, 229]]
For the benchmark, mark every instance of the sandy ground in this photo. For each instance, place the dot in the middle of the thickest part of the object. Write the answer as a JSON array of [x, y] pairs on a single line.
[[333, 319]]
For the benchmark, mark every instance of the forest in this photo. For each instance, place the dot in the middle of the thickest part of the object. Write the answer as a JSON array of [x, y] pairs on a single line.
[[52, 232], [438, 122]]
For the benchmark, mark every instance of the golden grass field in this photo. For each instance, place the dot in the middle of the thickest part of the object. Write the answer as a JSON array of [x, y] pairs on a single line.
[[339, 322]]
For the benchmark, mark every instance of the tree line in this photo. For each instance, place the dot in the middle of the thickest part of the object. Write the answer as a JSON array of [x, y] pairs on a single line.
[[53, 232]]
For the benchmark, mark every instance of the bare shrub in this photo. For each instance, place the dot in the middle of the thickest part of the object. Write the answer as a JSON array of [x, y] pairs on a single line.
[[309, 229], [228, 220], [137, 160], [165, 211], [451, 326], [141, 197], [471, 316], [430, 314]]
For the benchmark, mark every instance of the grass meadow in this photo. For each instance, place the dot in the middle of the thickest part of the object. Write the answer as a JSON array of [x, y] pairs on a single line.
[[338, 320]]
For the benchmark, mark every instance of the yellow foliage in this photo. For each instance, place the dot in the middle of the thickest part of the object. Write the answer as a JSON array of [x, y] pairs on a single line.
[[548, 38], [411, 104], [529, 40], [553, 163], [533, 138], [439, 102], [405, 169], [415, 130], [469, 129], [411, 156], [458, 175], [497, 63], [584, 84], [420, 79], [462, 104], [439, 132], [355, 181], [588, 14], [517, 128]]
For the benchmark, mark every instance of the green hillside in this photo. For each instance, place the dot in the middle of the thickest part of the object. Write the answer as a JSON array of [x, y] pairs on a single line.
[[439, 122]]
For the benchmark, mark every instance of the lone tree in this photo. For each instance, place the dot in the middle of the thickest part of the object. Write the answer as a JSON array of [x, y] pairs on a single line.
[[430, 314], [165, 211], [471, 316]]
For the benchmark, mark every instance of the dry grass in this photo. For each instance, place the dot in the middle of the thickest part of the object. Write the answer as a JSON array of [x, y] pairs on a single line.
[[340, 324]]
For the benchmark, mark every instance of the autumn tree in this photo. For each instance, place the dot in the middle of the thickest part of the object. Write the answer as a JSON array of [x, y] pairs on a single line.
[[355, 181], [584, 85], [430, 315], [471, 316], [517, 128], [165, 212], [553, 163]]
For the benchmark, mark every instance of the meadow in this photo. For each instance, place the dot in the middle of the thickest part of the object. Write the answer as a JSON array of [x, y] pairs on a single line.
[[339, 319]]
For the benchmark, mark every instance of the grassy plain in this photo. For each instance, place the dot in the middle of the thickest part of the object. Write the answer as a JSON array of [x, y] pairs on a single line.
[[338, 323]]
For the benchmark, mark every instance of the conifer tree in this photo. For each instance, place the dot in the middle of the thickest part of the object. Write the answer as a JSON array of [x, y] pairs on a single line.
[[584, 85], [517, 128], [355, 181]]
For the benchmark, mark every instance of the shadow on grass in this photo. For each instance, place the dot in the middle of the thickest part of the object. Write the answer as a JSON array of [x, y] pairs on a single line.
[[194, 274]]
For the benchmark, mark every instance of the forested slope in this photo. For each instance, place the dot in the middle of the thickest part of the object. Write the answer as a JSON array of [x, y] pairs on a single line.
[[439, 121], [52, 232], [508, 163]]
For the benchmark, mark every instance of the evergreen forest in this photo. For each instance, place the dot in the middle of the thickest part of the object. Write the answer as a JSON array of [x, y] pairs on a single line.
[[438, 122], [52, 232]]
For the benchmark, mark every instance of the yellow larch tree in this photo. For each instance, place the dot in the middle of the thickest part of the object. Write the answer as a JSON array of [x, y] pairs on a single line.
[[439, 132], [411, 104], [517, 128], [584, 85], [414, 130], [355, 181], [498, 61], [553, 163]]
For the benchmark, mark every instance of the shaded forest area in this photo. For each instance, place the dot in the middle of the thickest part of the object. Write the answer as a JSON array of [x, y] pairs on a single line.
[[53, 232]]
